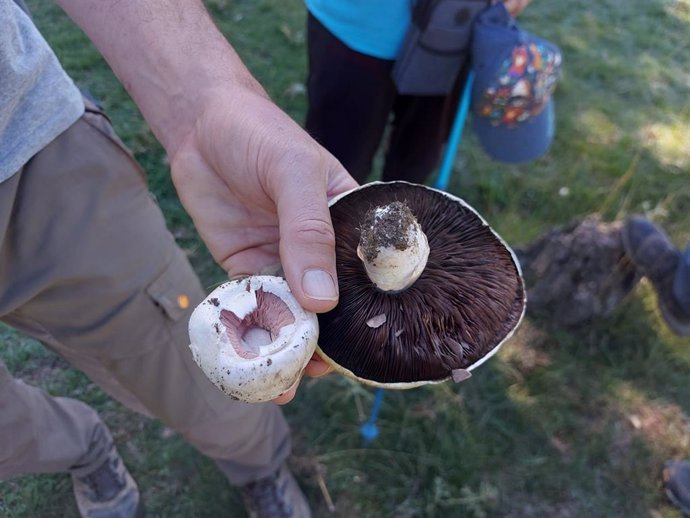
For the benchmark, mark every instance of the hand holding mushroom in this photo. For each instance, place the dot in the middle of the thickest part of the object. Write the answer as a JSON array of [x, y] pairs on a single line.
[[257, 188], [239, 163], [428, 293]]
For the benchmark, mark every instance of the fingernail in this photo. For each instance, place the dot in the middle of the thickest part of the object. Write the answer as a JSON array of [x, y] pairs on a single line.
[[319, 285]]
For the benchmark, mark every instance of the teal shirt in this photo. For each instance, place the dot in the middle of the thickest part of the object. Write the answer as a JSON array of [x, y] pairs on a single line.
[[373, 27]]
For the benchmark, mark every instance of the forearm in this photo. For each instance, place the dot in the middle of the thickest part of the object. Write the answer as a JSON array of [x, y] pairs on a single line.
[[167, 53]]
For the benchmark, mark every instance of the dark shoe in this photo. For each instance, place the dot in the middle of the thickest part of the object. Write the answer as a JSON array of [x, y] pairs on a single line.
[[108, 492], [276, 496], [655, 256], [676, 476]]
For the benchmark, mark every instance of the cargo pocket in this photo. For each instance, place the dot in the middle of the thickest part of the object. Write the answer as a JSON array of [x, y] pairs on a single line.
[[176, 291], [161, 374]]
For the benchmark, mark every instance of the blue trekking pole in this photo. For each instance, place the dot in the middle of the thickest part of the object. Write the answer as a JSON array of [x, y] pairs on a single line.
[[369, 430], [455, 136]]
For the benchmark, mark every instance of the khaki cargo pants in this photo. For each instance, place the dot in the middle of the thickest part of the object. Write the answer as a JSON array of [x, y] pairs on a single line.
[[88, 268]]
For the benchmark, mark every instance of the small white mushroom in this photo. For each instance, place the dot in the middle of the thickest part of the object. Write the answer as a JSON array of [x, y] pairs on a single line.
[[252, 339]]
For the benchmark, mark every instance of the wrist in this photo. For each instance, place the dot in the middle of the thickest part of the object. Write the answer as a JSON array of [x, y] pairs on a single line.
[[168, 55], [178, 88], [183, 110]]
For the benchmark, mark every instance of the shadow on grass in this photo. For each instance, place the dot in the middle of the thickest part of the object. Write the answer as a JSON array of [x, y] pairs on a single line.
[[562, 423]]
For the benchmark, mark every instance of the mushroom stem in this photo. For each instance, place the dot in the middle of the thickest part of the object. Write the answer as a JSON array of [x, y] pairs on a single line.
[[392, 246]]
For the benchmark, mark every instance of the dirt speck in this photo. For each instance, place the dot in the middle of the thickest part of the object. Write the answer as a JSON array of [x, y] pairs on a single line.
[[385, 226]]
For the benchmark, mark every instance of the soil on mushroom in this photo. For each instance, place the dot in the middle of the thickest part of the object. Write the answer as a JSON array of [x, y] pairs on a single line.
[[378, 232]]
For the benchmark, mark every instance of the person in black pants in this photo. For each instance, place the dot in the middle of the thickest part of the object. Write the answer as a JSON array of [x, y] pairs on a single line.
[[352, 97]]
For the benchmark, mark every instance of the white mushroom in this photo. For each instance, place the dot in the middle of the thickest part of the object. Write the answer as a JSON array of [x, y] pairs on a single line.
[[252, 339]]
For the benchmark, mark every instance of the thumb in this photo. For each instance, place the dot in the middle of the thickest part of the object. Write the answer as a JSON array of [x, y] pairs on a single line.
[[307, 240]]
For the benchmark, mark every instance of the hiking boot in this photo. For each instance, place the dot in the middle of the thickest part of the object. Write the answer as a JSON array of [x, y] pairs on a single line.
[[276, 496], [655, 256], [676, 477], [108, 492]]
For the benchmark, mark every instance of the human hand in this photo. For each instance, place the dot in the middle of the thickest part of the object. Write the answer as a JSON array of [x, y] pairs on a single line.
[[257, 188], [255, 184], [515, 7], [314, 369]]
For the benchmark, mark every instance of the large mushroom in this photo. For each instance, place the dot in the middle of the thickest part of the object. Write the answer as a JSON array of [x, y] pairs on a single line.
[[428, 291]]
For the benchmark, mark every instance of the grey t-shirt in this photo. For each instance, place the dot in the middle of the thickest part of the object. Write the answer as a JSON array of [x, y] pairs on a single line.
[[38, 101]]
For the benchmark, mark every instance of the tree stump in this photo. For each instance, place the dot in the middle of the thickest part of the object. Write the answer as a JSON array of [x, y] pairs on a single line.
[[577, 273]]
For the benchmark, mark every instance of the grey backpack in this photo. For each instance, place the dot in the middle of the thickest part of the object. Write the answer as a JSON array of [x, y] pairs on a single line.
[[436, 47]]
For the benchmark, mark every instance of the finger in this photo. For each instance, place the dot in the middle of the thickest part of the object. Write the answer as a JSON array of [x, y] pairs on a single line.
[[288, 396], [317, 368], [307, 241]]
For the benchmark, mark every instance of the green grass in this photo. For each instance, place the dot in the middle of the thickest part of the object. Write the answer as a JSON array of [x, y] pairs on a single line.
[[557, 425]]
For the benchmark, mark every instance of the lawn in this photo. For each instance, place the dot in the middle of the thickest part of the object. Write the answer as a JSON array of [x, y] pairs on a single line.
[[559, 424]]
